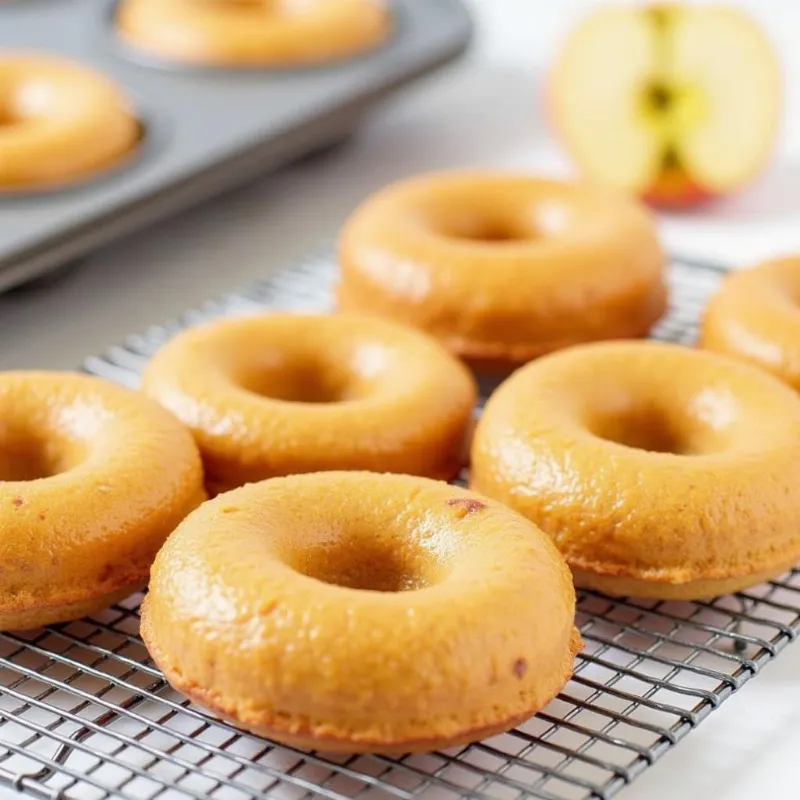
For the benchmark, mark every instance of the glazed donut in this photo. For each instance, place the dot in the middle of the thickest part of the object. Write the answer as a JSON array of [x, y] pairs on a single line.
[[92, 479], [503, 268], [281, 394], [60, 122], [659, 471], [360, 612], [264, 33], [755, 317]]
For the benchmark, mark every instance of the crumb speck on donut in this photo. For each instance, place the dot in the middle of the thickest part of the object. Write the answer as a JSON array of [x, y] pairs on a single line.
[[520, 667], [467, 505], [18, 501]]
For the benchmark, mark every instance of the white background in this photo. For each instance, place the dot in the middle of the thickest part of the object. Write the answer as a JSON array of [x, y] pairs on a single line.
[[485, 110]]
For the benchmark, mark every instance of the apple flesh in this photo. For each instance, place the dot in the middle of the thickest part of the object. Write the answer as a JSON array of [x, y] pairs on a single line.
[[674, 103]]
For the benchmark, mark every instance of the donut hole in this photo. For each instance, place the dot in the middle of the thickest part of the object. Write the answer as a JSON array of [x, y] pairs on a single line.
[[302, 383], [308, 377], [488, 228], [10, 111], [299, 386], [642, 429], [486, 216], [661, 429], [375, 570], [364, 561], [27, 455]]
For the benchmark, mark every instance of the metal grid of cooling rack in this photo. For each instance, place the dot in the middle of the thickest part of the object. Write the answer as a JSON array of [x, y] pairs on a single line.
[[85, 714]]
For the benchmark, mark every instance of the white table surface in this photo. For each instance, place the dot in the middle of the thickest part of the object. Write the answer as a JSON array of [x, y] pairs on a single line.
[[482, 111]]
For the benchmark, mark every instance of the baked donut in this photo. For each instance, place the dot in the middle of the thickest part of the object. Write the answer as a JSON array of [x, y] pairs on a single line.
[[282, 394], [60, 122], [93, 477], [659, 471], [755, 317], [503, 268], [241, 33], [362, 612]]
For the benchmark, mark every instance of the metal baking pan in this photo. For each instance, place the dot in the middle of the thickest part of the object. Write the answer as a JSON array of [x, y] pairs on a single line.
[[206, 129]]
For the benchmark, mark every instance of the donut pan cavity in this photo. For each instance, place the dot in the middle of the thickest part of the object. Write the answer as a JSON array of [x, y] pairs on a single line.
[[205, 129], [85, 714]]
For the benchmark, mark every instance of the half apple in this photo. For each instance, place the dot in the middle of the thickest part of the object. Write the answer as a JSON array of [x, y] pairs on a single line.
[[675, 103]]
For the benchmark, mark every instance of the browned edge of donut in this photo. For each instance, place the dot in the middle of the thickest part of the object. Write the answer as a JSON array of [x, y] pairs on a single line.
[[23, 616], [304, 738], [617, 585], [215, 486], [502, 357], [494, 358]]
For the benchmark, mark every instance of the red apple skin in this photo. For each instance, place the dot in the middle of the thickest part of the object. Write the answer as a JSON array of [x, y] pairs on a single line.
[[674, 189]]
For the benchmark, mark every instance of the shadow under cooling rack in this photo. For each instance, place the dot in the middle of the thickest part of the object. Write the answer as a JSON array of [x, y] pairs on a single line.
[[85, 714]]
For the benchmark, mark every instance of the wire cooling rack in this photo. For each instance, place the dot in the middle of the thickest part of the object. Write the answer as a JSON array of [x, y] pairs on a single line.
[[85, 714]]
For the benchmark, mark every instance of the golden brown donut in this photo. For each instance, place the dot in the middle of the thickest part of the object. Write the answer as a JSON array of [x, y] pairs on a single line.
[[274, 33], [281, 394], [755, 316], [60, 122], [659, 471], [92, 479], [359, 612], [503, 268]]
